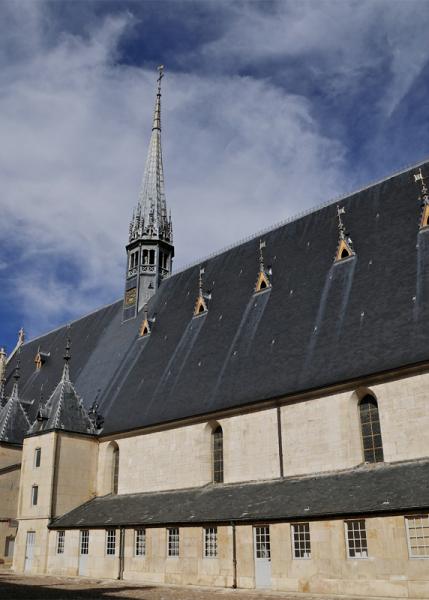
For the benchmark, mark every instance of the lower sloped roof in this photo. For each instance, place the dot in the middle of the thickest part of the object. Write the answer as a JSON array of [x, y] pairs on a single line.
[[365, 490]]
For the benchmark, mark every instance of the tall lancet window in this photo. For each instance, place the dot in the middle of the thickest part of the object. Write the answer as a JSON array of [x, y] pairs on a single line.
[[115, 469], [217, 444], [371, 431]]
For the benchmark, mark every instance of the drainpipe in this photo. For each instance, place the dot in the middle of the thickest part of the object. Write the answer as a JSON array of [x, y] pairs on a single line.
[[121, 552], [280, 440], [234, 556]]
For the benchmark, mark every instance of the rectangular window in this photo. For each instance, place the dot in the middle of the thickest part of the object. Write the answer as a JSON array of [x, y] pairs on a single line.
[[111, 542], [37, 457], [140, 542], [173, 541], [210, 542], [84, 541], [262, 542], [357, 545], [418, 536], [134, 258], [34, 495], [301, 545], [60, 541]]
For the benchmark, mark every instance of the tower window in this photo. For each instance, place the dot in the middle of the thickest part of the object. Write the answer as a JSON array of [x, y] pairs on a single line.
[[217, 443], [34, 495], [371, 431], [134, 259]]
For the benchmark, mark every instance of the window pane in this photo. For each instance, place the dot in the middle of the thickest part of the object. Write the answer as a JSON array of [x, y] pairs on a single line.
[[301, 540], [60, 542], [110, 542], [371, 432], [356, 539], [218, 455], [84, 541], [262, 542]]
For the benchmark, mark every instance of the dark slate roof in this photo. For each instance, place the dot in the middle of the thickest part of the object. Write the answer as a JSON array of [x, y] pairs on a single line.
[[63, 410], [369, 490], [14, 423], [321, 323]]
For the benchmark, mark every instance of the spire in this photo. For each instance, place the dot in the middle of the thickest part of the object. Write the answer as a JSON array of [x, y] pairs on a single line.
[[150, 219], [14, 423], [67, 357], [64, 409]]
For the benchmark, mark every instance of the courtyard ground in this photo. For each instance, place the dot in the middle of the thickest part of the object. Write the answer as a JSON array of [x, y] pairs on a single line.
[[24, 587]]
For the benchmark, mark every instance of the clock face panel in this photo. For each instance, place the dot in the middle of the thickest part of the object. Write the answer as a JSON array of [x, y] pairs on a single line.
[[130, 297]]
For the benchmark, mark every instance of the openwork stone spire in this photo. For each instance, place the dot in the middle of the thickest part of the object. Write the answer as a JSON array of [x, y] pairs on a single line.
[[150, 219]]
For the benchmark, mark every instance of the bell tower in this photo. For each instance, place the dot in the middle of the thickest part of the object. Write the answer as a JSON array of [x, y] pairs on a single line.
[[150, 247]]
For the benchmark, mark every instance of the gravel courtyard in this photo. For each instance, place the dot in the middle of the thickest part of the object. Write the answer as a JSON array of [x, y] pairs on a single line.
[[21, 587]]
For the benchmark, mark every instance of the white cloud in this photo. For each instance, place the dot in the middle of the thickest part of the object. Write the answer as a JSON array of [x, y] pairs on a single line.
[[239, 153]]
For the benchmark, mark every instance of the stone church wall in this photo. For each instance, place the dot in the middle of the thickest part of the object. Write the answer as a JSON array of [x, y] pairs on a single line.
[[9, 491]]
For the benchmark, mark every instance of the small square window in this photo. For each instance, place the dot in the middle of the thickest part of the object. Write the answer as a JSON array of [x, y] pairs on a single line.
[[111, 542], [60, 541], [210, 542], [173, 541], [140, 542], [34, 495], [37, 457], [357, 545], [418, 536], [301, 544]]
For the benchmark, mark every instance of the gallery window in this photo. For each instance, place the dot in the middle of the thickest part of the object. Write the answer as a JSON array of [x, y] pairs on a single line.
[[371, 431], [217, 450], [60, 541], [34, 495], [84, 541], [418, 536], [301, 545], [173, 541], [357, 545], [210, 542], [140, 542], [110, 542]]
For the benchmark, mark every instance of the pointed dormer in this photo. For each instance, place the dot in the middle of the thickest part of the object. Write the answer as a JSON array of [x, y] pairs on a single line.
[[64, 409], [14, 423], [150, 247], [345, 244], [263, 282]]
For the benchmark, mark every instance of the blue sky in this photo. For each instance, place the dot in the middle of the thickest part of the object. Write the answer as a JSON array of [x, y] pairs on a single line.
[[269, 108]]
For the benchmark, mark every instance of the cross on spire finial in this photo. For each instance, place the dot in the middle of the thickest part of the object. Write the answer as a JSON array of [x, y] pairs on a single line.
[[262, 245], [341, 211], [200, 280]]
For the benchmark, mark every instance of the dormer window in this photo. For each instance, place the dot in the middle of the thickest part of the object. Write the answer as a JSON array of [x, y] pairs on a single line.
[[41, 358], [345, 244]]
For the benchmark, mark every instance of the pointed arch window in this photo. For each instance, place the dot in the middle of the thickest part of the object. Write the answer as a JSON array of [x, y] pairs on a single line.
[[115, 468], [371, 431], [217, 444]]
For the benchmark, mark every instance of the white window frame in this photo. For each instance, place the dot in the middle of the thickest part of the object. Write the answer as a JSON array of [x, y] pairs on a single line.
[[346, 531], [110, 546], [210, 542], [34, 494], [140, 544], [37, 454], [173, 542], [61, 537], [407, 529], [293, 531], [84, 541]]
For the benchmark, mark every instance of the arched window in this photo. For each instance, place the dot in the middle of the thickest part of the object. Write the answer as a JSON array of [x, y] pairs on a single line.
[[115, 470], [371, 432], [217, 442]]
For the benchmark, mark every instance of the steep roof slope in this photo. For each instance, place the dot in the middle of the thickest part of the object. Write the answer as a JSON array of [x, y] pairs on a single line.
[[319, 324]]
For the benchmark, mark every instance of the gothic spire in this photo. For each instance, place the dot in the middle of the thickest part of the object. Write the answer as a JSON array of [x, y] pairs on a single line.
[[150, 219]]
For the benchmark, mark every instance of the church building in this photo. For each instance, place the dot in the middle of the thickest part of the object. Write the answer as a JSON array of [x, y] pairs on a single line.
[[257, 420]]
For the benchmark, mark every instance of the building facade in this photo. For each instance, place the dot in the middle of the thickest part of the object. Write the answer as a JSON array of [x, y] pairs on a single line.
[[257, 420]]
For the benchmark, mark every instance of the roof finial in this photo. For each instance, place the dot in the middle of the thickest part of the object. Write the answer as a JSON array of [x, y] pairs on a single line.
[[261, 256], [424, 197], [345, 244], [341, 211], [67, 357], [16, 375]]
